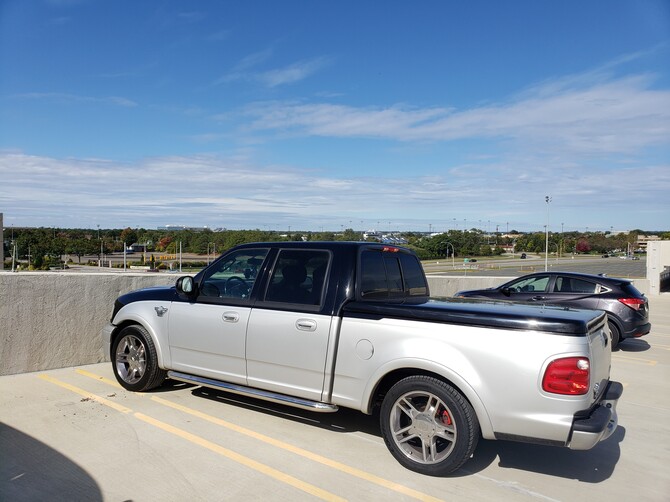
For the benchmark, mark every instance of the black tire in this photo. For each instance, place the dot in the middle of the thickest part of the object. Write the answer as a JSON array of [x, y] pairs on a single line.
[[134, 360], [428, 426], [614, 333]]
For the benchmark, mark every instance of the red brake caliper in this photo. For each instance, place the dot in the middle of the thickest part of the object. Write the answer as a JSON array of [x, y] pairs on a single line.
[[446, 418]]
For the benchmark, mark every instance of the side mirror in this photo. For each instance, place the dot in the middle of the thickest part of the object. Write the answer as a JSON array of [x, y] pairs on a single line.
[[185, 285], [506, 291]]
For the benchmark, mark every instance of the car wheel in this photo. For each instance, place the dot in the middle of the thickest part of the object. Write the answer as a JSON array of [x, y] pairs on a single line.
[[428, 426], [135, 361], [615, 334]]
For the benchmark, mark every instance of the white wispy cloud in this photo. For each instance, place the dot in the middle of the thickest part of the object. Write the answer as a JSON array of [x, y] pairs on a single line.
[[65, 98], [235, 192], [292, 73], [248, 69], [619, 115]]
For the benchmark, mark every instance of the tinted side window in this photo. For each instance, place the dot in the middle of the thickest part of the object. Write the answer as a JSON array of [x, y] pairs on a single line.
[[234, 275], [573, 285], [579, 286], [299, 276]]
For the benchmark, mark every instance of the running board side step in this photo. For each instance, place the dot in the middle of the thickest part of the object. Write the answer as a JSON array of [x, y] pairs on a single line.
[[296, 402]]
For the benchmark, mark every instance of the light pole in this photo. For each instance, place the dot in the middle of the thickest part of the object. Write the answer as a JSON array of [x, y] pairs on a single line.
[[453, 254], [547, 199]]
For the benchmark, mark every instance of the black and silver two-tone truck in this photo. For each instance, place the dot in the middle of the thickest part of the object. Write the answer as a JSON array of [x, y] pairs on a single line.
[[323, 325]]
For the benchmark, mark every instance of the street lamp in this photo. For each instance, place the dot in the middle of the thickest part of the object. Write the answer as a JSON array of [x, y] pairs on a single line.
[[547, 199], [453, 254]]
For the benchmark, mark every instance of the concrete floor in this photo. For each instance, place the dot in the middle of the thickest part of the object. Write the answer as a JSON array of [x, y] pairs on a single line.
[[74, 434]]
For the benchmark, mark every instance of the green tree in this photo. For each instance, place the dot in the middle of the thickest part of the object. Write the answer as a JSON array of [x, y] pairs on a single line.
[[129, 236]]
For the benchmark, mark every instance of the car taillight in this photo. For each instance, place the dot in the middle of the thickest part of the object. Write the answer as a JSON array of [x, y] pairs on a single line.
[[634, 303], [569, 375]]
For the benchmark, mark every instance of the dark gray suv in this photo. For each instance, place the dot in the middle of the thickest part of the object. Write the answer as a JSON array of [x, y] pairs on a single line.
[[627, 309]]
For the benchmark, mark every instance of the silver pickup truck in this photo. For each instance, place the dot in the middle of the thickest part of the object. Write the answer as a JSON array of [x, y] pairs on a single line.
[[327, 325]]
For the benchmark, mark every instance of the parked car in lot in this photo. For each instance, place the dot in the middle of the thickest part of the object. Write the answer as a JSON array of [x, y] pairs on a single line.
[[627, 309]]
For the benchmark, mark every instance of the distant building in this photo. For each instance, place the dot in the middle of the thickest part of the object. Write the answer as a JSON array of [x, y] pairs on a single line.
[[643, 240], [177, 228]]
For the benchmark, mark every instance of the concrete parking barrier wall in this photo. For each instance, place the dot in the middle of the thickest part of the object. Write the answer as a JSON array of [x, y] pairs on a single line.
[[52, 320]]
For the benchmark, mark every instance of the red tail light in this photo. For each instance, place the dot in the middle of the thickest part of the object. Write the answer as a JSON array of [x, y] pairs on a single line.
[[569, 375], [634, 303]]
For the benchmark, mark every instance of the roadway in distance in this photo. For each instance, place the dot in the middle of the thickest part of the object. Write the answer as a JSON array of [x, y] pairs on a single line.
[[513, 267]]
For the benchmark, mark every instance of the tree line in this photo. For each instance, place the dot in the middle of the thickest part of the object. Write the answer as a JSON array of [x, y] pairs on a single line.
[[42, 248]]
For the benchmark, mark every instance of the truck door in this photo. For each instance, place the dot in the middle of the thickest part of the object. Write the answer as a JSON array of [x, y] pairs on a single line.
[[287, 336], [207, 336]]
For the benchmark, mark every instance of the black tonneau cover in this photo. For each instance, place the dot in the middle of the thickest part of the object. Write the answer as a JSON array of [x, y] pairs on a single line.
[[486, 313]]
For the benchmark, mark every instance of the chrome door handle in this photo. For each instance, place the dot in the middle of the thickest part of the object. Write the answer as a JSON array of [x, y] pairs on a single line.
[[231, 316], [306, 324]]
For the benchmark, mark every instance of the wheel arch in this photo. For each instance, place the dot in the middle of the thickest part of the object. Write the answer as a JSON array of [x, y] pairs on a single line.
[[138, 321], [618, 324], [389, 378]]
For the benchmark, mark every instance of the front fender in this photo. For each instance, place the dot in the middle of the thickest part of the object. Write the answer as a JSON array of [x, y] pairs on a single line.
[[146, 314]]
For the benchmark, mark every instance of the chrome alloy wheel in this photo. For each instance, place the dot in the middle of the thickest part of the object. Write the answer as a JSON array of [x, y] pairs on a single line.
[[131, 361], [422, 427]]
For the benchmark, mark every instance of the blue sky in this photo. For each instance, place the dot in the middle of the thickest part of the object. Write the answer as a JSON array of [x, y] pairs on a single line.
[[312, 115]]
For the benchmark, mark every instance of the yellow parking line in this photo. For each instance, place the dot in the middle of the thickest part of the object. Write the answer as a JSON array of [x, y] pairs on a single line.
[[106, 380], [303, 453], [285, 446], [87, 395], [268, 471], [197, 440], [648, 362]]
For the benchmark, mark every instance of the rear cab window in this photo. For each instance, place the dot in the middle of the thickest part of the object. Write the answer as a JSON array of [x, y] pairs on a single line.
[[390, 274]]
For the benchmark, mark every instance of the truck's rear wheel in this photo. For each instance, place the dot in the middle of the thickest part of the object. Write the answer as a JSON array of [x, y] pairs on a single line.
[[135, 360], [428, 426]]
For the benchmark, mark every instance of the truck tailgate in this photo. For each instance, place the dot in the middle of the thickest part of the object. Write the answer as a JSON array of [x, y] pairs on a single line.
[[600, 344]]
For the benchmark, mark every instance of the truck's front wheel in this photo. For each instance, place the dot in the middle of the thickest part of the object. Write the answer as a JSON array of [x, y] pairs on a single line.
[[135, 360], [428, 426]]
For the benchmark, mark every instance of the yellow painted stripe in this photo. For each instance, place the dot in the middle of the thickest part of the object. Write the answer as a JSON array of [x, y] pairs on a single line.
[[257, 466], [262, 468], [86, 394], [648, 362], [108, 381], [303, 453], [371, 478]]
